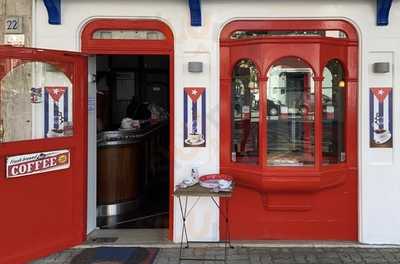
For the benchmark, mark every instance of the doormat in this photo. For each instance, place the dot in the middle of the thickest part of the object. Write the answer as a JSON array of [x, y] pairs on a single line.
[[116, 255]]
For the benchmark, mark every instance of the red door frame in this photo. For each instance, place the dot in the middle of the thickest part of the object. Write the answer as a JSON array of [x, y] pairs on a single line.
[[22, 198], [138, 47], [277, 181]]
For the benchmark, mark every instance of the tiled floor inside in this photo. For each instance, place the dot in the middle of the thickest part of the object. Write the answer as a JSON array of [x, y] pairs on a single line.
[[133, 237]]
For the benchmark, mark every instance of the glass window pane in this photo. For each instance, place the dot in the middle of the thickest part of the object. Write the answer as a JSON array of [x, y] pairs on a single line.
[[333, 102], [284, 33], [129, 34], [35, 101], [290, 114], [245, 112]]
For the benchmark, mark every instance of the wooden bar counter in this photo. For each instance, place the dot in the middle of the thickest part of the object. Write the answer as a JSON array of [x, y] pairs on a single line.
[[122, 168]]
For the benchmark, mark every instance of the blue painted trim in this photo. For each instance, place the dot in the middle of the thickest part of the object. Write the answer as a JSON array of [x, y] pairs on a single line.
[[383, 9], [54, 11], [195, 13]]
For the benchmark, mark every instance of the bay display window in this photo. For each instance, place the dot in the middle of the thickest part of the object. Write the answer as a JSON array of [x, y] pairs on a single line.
[[288, 101], [289, 127], [290, 113]]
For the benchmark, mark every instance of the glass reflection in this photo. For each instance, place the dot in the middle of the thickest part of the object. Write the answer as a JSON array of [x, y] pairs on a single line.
[[251, 34], [333, 102], [35, 101], [290, 113], [245, 112]]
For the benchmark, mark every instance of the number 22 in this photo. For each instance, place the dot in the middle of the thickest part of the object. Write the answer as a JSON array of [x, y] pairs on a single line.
[[12, 24]]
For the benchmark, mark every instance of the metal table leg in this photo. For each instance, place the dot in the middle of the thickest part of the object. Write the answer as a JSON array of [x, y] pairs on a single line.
[[226, 217], [184, 231], [227, 242]]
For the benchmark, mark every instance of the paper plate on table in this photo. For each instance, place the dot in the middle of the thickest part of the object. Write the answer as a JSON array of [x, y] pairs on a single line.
[[213, 180]]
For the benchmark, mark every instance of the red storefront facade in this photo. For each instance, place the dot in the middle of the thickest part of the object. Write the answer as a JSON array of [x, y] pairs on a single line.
[[288, 116], [292, 202]]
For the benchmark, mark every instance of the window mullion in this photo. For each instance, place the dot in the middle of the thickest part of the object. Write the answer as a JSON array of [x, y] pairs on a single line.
[[318, 122], [263, 142]]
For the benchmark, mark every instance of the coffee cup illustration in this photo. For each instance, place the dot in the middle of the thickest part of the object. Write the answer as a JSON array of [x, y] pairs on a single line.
[[195, 138], [381, 136]]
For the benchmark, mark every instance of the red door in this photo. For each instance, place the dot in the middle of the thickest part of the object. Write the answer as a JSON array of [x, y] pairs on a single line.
[[289, 129], [43, 126]]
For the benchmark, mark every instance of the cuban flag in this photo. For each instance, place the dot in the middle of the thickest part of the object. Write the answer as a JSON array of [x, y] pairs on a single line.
[[55, 110], [194, 103], [381, 120]]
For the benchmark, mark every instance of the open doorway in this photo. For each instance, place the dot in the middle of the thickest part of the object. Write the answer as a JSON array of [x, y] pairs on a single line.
[[132, 118], [140, 54]]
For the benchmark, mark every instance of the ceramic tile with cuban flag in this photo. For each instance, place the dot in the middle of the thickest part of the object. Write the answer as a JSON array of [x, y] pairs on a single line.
[[381, 120], [57, 112], [194, 104]]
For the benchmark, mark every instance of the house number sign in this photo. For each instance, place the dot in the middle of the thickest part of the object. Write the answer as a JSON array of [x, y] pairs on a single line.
[[13, 25]]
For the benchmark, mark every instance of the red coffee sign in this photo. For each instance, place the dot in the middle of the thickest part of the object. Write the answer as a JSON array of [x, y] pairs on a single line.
[[36, 163]]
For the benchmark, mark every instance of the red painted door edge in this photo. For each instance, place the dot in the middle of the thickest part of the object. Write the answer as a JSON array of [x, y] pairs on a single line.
[[93, 46]]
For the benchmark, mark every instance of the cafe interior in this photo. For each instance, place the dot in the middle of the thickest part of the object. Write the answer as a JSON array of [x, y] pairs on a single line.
[[132, 141]]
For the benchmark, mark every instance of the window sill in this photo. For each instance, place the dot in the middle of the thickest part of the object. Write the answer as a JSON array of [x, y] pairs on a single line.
[[288, 179]]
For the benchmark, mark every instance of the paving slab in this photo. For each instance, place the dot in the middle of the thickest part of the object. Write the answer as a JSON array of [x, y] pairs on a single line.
[[263, 255]]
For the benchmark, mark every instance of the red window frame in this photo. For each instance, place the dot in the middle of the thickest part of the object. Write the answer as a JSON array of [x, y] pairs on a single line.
[[260, 176], [126, 46]]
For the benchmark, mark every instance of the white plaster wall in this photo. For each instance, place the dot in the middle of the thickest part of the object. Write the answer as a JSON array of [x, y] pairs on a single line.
[[379, 185]]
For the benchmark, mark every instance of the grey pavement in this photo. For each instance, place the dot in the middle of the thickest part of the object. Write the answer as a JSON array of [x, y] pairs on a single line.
[[264, 255]]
